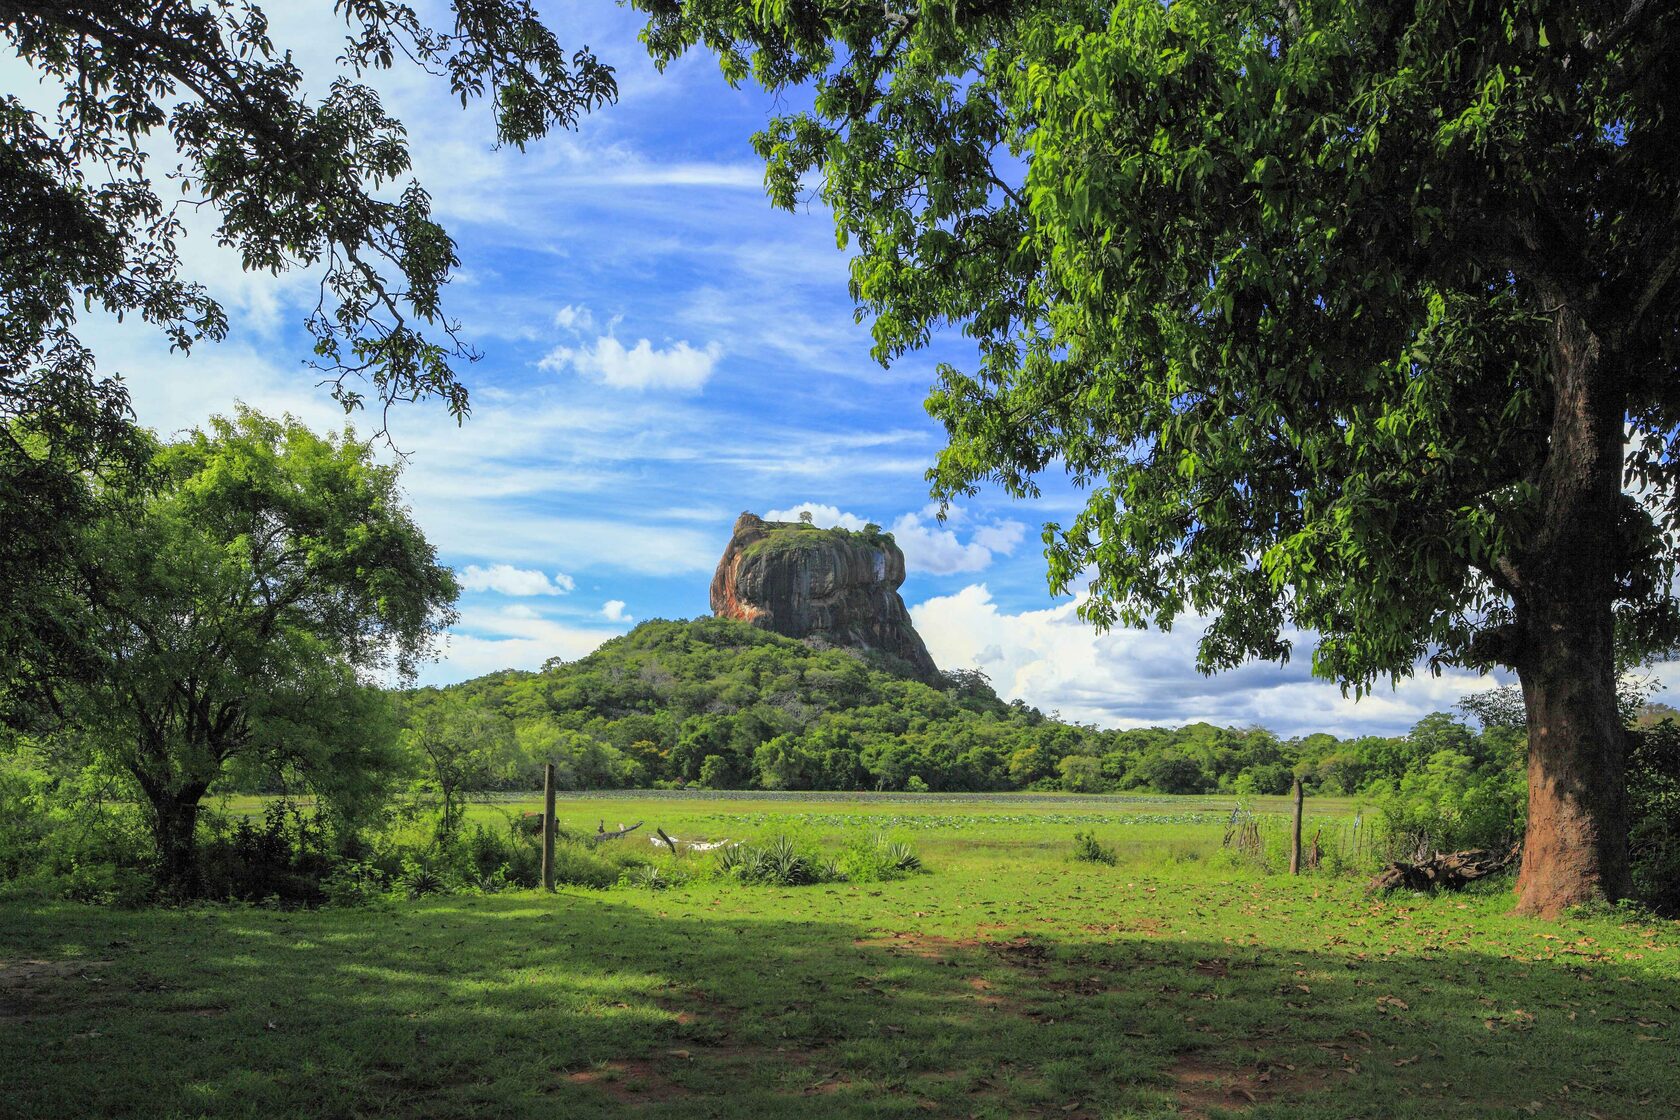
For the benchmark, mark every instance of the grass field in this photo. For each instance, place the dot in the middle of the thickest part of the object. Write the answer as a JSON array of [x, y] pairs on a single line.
[[1008, 981]]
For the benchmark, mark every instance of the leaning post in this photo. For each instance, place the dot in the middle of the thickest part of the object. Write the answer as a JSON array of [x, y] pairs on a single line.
[[548, 827], [1295, 833]]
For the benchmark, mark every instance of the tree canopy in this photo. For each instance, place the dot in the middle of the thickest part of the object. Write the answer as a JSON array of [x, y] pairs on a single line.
[[148, 110], [235, 613], [1348, 317]]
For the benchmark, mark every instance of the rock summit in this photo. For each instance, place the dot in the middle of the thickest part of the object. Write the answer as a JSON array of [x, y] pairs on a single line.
[[828, 587]]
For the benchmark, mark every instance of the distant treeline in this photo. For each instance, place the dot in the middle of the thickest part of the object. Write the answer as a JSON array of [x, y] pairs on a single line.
[[724, 705]]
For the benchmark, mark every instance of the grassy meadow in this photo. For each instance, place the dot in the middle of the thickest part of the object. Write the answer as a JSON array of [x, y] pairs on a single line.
[[1008, 980]]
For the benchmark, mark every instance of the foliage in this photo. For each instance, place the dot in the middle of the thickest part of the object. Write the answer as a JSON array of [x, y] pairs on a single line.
[[1355, 320], [873, 858], [133, 116], [1654, 809], [790, 860], [1087, 849], [462, 748], [285, 857], [233, 609], [782, 860], [796, 536]]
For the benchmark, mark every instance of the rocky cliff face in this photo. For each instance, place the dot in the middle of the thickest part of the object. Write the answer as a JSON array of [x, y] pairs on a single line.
[[827, 586]]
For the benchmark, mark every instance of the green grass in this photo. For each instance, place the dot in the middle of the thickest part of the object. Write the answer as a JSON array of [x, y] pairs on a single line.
[[1010, 981]]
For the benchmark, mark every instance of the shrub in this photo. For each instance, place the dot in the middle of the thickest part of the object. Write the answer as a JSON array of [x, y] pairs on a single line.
[[1654, 813], [1087, 849], [285, 857], [509, 857], [779, 861], [61, 836], [875, 859], [580, 865]]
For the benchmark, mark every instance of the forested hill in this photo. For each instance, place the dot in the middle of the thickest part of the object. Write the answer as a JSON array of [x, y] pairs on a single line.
[[726, 705]]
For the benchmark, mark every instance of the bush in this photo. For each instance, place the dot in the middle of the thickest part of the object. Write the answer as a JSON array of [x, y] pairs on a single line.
[[1654, 813], [61, 836], [1087, 849], [509, 857], [580, 865], [779, 861], [875, 859], [286, 857], [1447, 805]]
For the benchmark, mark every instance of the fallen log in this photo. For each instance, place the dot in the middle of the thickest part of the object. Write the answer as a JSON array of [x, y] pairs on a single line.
[[601, 832], [1449, 871], [678, 845]]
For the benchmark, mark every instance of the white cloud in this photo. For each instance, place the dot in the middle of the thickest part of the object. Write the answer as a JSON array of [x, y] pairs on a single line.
[[1134, 678], [485, 641], [931, 547], [505, 579], [613, 611], [574, 319], [681, 367], [1002, 537], [826, 517], [739, 176]]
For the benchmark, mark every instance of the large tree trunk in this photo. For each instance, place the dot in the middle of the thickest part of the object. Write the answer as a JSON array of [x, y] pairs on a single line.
[[1575, 849], [174, 824]]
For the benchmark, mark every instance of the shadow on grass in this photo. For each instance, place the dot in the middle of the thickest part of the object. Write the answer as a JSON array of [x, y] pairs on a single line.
[[586, 1005]]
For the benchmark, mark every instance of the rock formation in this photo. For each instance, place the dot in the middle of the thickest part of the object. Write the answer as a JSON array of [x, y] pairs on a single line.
[[829, 587]]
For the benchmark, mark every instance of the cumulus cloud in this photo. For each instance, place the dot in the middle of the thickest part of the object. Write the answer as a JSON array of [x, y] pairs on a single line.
[[613, 611], [827, 517], [505, 579], [931, 547], [1134, 678], [1002, 537], [574, 318], [679, 368]]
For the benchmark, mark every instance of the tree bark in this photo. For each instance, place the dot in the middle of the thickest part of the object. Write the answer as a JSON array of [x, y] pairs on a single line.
[[174, 825], [1575, 848]]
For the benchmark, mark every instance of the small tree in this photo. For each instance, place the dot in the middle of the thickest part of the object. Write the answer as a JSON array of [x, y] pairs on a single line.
[[462, 747], [235, 609]]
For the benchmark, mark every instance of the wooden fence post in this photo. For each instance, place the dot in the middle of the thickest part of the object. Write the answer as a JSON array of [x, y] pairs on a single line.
[[548, 827], [1295, 833]]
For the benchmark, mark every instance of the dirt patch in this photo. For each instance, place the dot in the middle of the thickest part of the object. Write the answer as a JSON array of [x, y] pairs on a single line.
[[627, 1081], [1138, 927], [31, 988], [908, 943], [986, 996], [1023, 953], [828, 1086], [1203, 1084]]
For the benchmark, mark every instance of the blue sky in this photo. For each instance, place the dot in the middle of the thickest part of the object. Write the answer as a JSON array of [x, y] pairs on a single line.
[[662, 351]]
